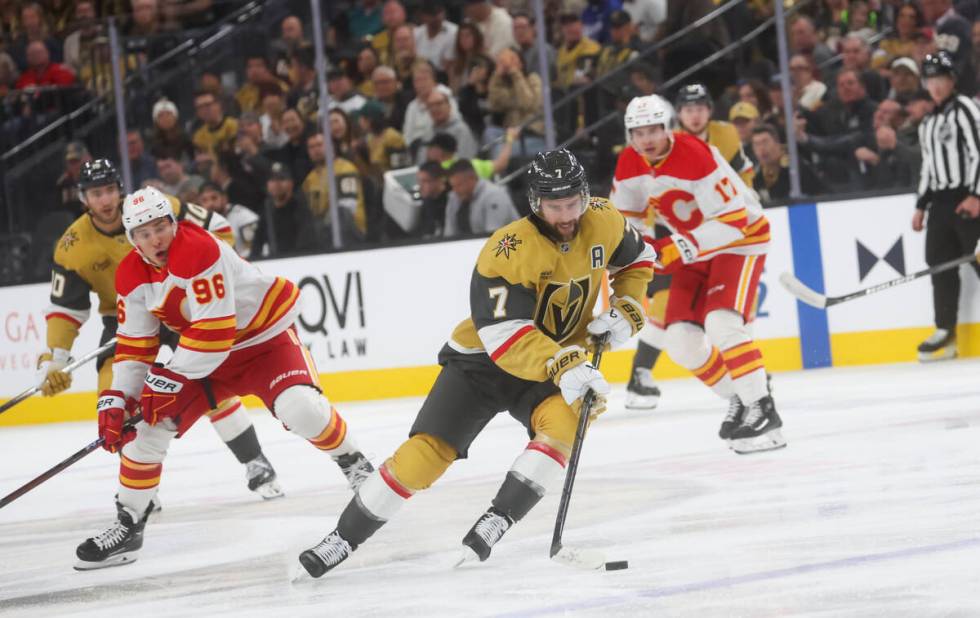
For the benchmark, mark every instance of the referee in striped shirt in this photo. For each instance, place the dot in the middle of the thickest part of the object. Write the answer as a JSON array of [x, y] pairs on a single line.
[[949, 187]]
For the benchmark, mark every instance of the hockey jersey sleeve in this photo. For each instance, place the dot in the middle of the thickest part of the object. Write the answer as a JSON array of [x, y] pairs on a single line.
[[70, 305], [631, 265], [208, 277], [137, 339], [503, 298], [211, 221]]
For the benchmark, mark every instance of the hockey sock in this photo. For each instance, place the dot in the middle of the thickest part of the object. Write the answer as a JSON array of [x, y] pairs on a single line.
[[376, 501], [748, 371], [138, 483], [246, 446], [645, 357], [332, 437], [714, 374], [527, 480]]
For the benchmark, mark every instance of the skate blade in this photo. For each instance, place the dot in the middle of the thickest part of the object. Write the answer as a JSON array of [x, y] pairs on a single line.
[[466, 556], [769, 441], [117, 560], [586, 559], [641, 402], [269, 491], [939, 355]]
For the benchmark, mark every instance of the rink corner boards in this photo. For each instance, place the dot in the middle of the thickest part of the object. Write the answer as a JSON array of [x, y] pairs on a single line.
[[784, 354]]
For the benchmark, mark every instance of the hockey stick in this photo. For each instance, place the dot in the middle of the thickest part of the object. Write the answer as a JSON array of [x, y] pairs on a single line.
[[815, 299], [590, 559], [70, 367], [17, 493]]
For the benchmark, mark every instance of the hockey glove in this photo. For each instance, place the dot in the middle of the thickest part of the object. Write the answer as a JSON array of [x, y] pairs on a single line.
[[622, 320], [112, 409], [673, 252], [167, 394], [574, 375], [50, 377]]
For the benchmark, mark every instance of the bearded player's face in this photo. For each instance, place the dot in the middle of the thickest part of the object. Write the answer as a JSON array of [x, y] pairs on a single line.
[[104, 203], [563, 214]]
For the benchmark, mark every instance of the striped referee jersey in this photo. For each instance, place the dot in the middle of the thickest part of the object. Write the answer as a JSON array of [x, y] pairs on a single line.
[[950, 140]]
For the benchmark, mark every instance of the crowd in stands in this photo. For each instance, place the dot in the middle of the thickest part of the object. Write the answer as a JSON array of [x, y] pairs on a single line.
[[454, 89]]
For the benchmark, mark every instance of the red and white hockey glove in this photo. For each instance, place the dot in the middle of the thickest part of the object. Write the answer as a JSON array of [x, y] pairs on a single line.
[[673, 252], [113, 411], [167, 394]]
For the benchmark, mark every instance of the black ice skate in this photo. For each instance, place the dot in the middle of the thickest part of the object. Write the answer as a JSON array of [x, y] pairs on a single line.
[[642, 393], [327, 554], [484, 534], [355, 467], [760, 429], [941, 345], [261, 478], [733, 419], [119, 544]]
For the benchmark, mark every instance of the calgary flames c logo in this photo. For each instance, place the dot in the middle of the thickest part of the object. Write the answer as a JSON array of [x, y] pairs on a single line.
[[561, 307], [679, 209]]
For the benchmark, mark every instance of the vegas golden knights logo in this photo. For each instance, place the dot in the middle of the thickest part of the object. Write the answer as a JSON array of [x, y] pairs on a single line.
[[561, 306]]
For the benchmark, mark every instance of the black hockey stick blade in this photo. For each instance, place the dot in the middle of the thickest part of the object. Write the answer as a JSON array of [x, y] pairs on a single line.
[[77, 456]]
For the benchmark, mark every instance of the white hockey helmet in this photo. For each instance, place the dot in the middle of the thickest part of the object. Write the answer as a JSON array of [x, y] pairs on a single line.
[[646, 111], [143, 206]]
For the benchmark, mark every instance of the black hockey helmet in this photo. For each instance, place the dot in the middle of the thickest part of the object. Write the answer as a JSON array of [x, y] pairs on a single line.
[[939, 63], [98, 173], [691, 94], [556, 174]]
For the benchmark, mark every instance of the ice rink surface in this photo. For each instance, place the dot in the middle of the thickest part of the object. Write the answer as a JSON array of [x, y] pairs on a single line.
[[872, 510]]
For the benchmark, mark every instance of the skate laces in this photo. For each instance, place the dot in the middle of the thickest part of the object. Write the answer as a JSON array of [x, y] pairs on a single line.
[[111, 537], [644, 379], [491, 527], [356, 468], [257, 467], [755, 413], [734, 407], [937, 337], [333, 549]]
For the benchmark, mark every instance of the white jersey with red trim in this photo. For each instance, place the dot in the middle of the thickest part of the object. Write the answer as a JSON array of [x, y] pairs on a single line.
[[694, 192], [217, 301]]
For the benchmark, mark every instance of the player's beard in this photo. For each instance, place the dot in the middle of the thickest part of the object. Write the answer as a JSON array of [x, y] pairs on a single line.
[[113, 220], [566, 236]]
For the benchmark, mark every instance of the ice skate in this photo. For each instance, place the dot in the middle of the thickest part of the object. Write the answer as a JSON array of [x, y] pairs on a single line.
[[941, 345], [262, 478], [736, 411], [484, 534], [355, 467], [760, 429], [117, 545], [642, 392], [327, 554]]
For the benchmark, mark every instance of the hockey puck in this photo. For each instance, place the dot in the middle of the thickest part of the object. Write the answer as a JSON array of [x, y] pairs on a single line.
[[618, 565]]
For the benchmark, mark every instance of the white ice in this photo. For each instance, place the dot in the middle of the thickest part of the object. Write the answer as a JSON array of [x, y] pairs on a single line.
[[872, 510]]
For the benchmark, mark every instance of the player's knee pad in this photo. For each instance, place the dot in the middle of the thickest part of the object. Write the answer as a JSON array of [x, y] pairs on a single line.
[[653, 335], [303, 410], [420, 461], [151, 443], [687, 344], [726, 329], [105, 376], [554, 423]]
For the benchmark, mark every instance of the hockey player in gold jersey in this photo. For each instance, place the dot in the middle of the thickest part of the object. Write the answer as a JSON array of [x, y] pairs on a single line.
[[85, 261], [521, 350]]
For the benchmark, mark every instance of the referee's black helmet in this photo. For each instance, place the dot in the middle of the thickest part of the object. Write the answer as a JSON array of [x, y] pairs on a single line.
[[939, 63]]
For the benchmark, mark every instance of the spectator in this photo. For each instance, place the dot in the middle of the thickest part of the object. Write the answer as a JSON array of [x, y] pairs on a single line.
[[364, 19], [34, 29], [472, 96], [146, 34], [403, 51], [385, 146], [392, 16], [905, 78], [388, 92], [697, 44], [342, 134], [643, 80], [909, 21], [808, 91], [831, 21], [250, 124], [141, 164], [771, 180], [41, 71], [8, 74], [475, 206], [217, 131], [917, 106], [367, 62], [444, 121], [468, 48], [304, 96], [839, 128], [436, 37], [856, 55], [208, 81], [803, 39], [167, 135], [755, 92], [240, 185], [258, 79], [526, 37], [861, 20], [173, 179], [647, 15], [243, 221], [621, 48], [418, 123], [745, 117], [953, 34], [434, 192], [885, 163], [78, 44], [515, 96], [286, 224], [576, 55], [76, 154], [342, 93], [272, 134], [282, 49], [350, 193], [494, 22], [186, 14], [252, 162], [293, 154], [442, 149]]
